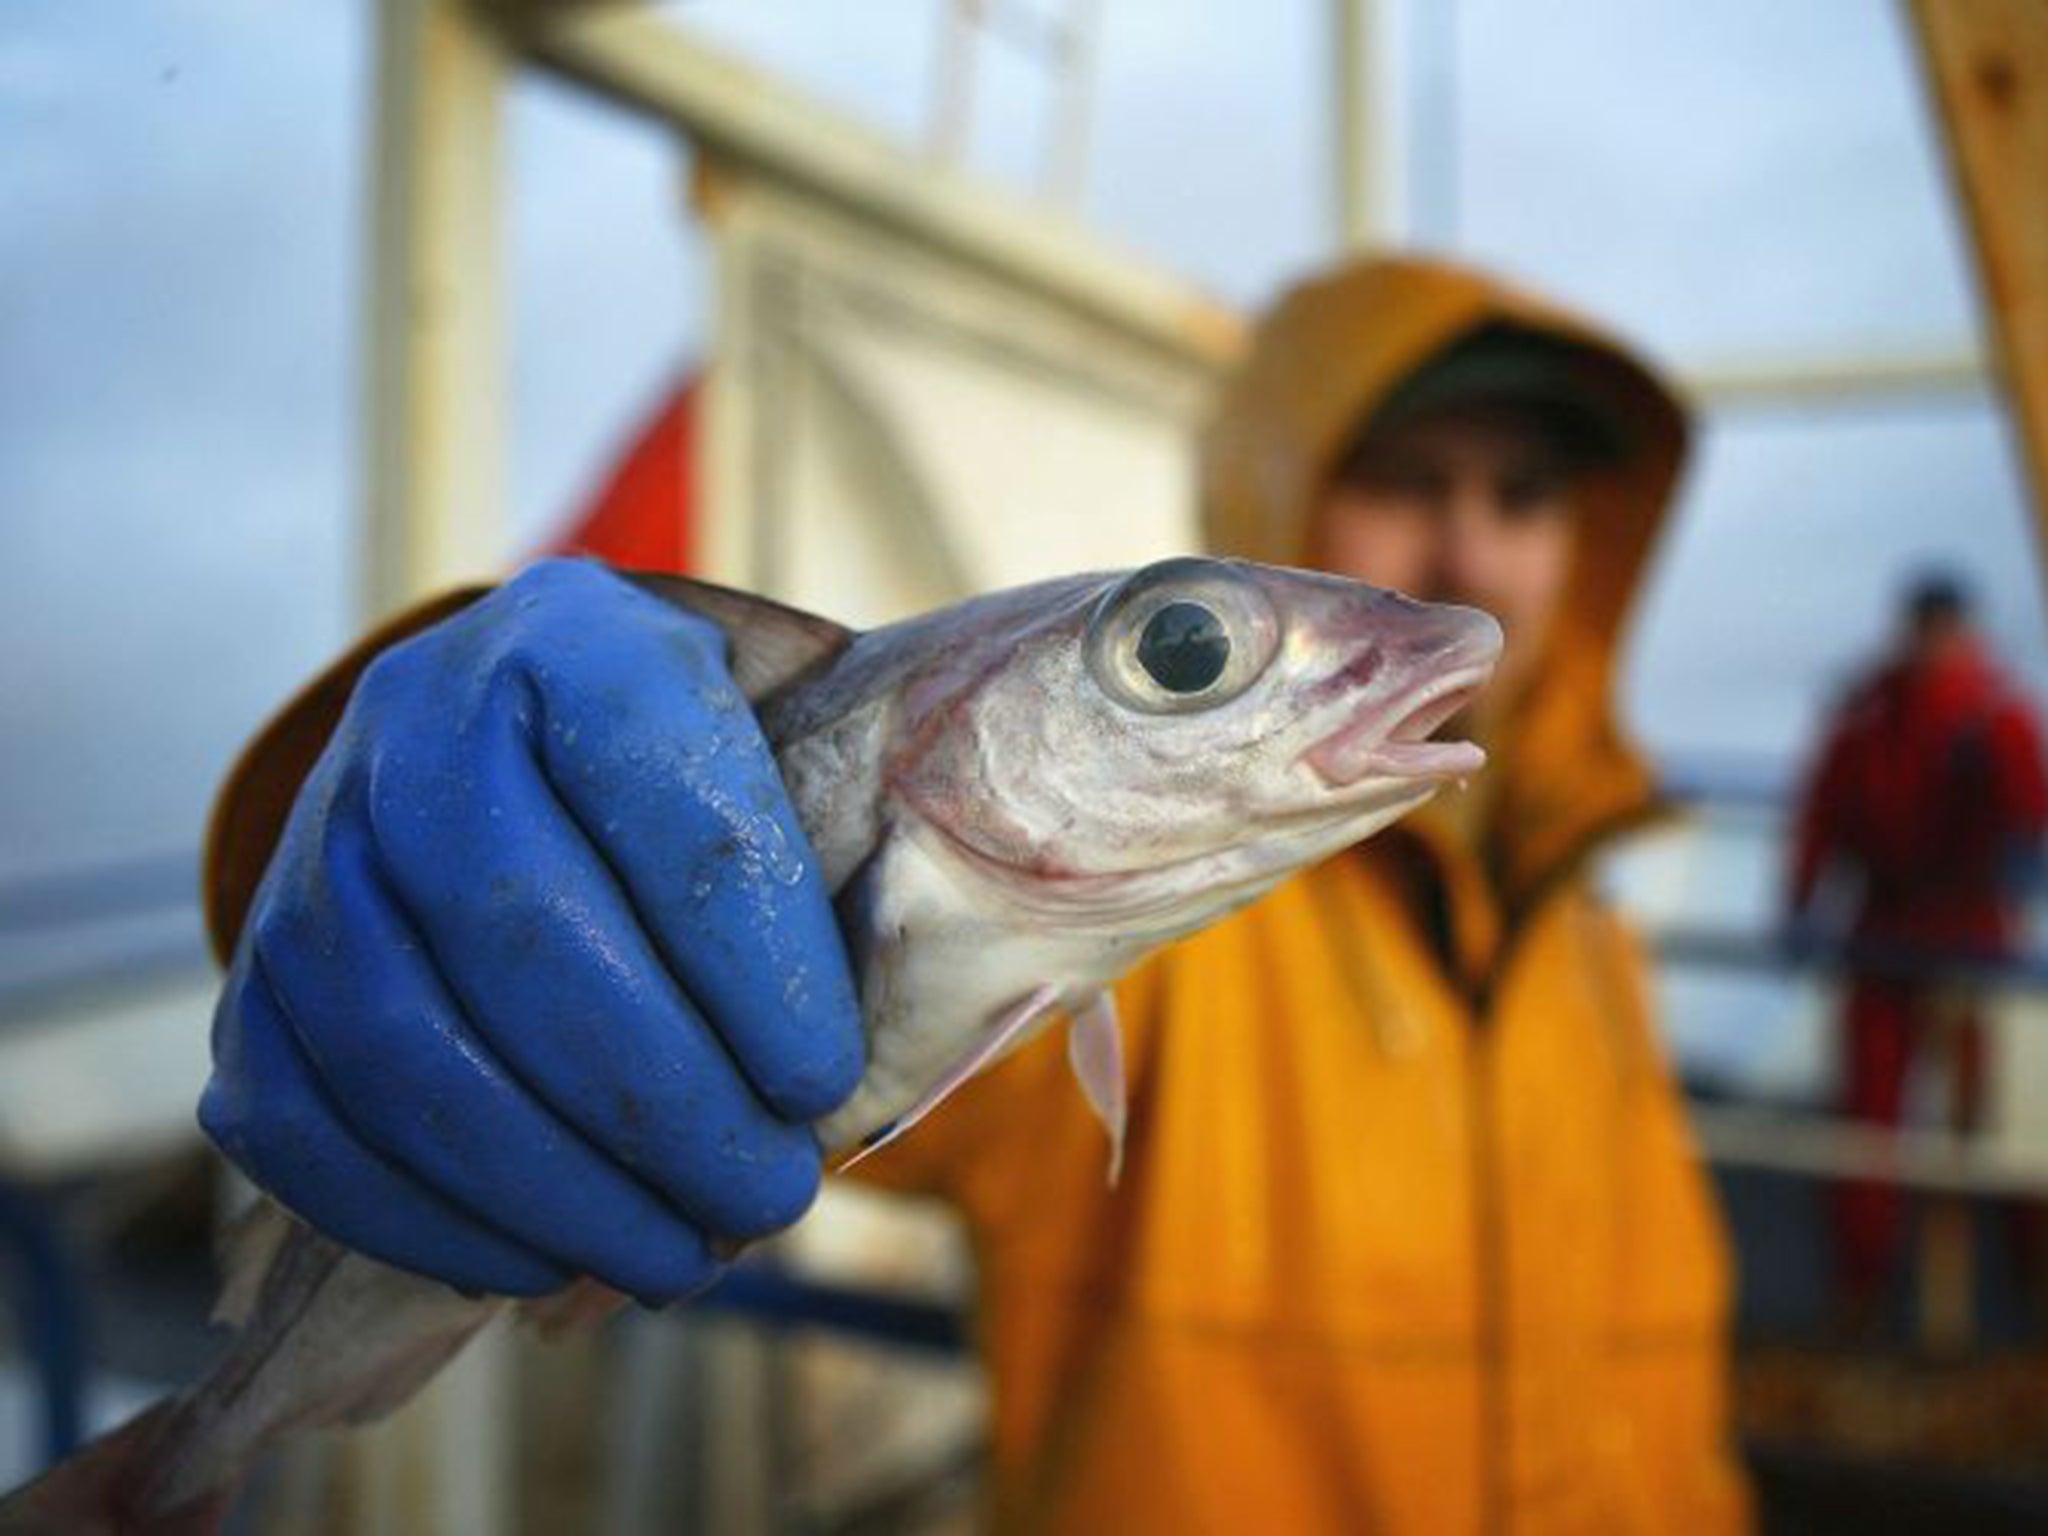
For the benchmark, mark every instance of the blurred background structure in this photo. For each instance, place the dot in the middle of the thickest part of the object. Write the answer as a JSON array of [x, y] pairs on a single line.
[[304, 313]]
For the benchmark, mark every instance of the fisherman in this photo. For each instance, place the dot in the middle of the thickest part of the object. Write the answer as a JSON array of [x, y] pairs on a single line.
[[1926, 804], [1410, 1234]]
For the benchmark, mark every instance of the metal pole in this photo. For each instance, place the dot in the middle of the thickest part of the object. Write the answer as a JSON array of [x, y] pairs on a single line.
[[1351, 150], [952, 120], [1841, 379], [435, 373], [50, 1312], [760, 128], [1066, 162], [436, 517]]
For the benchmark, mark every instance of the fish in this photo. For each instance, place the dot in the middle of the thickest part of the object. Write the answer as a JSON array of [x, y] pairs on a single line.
[[1013, 800]]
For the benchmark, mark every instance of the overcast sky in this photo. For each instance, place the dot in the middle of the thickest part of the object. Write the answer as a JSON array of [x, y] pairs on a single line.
[[181, 233]]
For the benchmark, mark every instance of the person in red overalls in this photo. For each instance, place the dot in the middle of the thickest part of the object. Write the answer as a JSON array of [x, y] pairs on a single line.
[[1929, 798]]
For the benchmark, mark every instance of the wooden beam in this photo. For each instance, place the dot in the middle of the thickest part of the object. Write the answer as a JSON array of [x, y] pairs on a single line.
[[1987, 63]]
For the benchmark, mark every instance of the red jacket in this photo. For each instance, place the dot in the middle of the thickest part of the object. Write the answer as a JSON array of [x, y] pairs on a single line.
[[1930, 781]]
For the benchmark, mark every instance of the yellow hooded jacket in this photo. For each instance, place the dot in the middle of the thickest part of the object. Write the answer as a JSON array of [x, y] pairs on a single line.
[[1410, 1236]]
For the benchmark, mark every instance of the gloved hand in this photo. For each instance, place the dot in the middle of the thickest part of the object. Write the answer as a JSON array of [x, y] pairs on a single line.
[[541, 980]]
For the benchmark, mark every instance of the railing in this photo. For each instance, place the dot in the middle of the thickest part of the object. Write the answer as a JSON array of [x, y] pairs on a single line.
[[49, 1301]]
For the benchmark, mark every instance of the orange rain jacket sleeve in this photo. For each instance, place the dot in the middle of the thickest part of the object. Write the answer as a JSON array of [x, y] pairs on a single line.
[[1411, 1236]]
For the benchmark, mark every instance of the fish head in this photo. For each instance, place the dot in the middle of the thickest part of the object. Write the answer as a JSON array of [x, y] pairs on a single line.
[[1153, 747]]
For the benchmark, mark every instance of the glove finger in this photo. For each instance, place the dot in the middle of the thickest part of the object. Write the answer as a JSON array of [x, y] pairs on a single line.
[[410, 1075], [299, 1151], [676, 788], [551, 964]]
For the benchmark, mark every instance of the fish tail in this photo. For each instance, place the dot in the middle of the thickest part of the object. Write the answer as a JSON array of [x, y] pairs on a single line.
[[323, 1337], [100, 1490]]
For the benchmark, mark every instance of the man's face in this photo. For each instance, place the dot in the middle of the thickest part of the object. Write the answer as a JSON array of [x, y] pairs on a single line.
[[1470, 505], [1933, 638]]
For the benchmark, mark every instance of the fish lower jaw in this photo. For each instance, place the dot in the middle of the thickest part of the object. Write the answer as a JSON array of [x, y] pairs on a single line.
[[1323, 821], [1434, 761], [1393, 743]]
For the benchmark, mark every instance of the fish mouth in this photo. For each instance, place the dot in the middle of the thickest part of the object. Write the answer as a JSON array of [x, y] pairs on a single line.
[[1372, 747]]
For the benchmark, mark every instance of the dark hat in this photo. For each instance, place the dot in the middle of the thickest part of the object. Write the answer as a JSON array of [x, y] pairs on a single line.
[[1543, 377]]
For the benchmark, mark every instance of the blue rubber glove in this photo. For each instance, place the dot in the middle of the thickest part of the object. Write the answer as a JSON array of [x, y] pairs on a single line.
[[541, 981]]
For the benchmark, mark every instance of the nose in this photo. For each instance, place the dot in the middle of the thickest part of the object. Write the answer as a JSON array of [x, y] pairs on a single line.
[[1468, 549]]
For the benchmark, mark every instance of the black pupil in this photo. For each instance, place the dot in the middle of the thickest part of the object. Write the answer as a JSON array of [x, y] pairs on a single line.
[[1184, 647]]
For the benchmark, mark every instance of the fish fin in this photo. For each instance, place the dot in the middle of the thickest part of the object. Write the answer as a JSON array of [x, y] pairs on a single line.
[[771, 643], [1005, 1030], [1095, 1050], [92, 1492], [334, 1338], [399, 1382], [243, 1253], [585, 1303]]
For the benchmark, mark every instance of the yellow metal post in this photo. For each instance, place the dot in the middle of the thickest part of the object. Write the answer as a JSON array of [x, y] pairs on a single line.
[[1987, 61], [1362, 164], [435, 517], [435, 372]]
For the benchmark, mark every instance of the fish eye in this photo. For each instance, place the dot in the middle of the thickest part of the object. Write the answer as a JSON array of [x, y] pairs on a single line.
[[1185, 647], [1180, 636]]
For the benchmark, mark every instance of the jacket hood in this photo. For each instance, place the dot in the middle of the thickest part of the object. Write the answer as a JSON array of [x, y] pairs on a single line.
[[1330, 354]]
